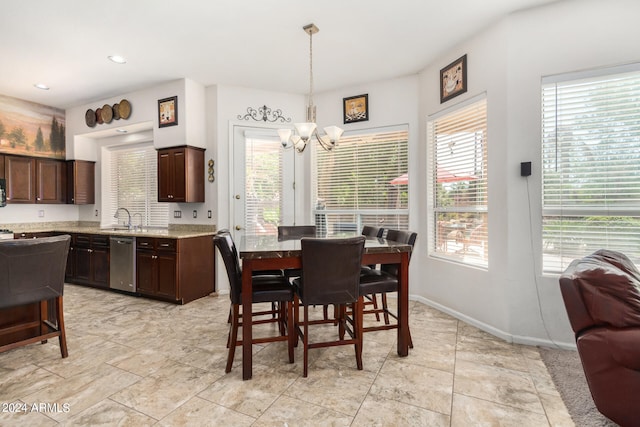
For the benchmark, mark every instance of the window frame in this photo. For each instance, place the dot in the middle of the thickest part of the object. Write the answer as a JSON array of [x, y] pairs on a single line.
[[459, 233], [331, 220], [595, 223]]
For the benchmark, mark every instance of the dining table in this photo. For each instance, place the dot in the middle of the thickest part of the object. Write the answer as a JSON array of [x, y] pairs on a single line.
[[267, 252]]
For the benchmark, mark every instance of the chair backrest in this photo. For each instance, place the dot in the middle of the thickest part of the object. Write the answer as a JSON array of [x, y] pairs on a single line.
[[370, 231], [296, 231], [408, 237], [224, 242], [32, 270], [331, 270]]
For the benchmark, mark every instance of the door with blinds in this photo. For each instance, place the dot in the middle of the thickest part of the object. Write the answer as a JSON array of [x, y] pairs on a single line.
[[263, 194]]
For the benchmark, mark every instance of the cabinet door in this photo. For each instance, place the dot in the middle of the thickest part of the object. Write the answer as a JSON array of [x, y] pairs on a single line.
[[167, 275], [70, 272], [164, 176], [80, 182], [179, 176], [100, 267], [83, 264], [51, 178], [145, 281], [20, 173]]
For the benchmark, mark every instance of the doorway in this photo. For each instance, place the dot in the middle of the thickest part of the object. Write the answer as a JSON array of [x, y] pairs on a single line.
[[263, 186]]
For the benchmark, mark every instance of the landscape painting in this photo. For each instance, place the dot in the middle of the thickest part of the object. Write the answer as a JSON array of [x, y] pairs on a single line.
[[31, 129]]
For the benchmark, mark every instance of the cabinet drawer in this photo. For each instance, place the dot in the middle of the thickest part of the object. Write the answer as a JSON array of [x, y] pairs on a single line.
[[166, 245], [99, 240], [83, 240], [145, 243]]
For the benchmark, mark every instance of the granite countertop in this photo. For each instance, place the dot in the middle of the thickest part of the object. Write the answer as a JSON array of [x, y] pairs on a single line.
[[175, 231]]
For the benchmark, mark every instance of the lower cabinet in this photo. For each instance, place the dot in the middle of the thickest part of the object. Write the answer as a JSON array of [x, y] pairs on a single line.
[[156, 267], [176, 270], [90, 260]]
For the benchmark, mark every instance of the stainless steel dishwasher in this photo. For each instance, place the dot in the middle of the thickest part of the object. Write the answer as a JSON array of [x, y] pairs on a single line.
[[122, 265]]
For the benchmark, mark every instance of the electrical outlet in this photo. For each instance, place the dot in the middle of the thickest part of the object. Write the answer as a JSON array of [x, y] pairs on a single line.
[[41, 213], [96, 212], [195, 214], [177, 214], [209, 214]]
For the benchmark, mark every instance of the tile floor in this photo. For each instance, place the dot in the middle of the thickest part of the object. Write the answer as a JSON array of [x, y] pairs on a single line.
[[138, 362]]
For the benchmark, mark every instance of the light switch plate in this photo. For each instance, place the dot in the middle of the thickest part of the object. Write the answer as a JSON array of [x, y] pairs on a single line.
[[177, 214], [195, 214]]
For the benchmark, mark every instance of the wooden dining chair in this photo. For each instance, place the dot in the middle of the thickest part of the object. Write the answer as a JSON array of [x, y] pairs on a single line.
[[371, 299], [266, 288], [292, 232], [385, 280], [330, 275]]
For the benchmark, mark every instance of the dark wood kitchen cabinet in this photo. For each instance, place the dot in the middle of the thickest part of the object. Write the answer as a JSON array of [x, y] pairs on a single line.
[[35, 180], [176, 270], [81, 182], [156, 267], [181, 174], [91, 260]]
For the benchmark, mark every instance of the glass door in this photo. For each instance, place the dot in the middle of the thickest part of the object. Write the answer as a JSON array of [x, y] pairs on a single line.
[[263, 185]]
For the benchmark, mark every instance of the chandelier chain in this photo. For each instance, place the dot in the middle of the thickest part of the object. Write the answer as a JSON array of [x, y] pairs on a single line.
[[311, 69]]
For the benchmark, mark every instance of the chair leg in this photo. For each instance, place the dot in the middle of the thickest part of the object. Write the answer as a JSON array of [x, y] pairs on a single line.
[[374, 301], [63, 335], [305, 341], [357, 326], [385, 308], [292, 334], [233, 336]]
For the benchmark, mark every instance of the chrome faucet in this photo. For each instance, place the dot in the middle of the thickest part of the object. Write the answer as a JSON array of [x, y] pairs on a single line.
[[128, 214], [138, 213]]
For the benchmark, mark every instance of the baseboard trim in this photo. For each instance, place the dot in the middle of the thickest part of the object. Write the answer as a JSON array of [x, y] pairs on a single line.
[[516, 339]]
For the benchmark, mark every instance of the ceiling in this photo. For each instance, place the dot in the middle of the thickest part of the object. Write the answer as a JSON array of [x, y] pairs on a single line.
[[252, 43]]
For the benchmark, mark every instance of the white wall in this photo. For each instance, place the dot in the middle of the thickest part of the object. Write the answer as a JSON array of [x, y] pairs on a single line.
[[85, 143], [507, 62]]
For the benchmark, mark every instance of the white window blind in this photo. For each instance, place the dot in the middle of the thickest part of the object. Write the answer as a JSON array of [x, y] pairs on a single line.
[[457, 144], [134, 186], [591, 167], [263, 185], [364, 181]]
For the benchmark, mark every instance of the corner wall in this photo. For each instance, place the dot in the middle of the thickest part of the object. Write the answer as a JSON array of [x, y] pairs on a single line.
[[507, 61]]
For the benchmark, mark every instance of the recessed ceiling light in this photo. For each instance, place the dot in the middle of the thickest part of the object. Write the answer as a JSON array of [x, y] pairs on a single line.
[[121, 130], [41, 86], [118, 59]]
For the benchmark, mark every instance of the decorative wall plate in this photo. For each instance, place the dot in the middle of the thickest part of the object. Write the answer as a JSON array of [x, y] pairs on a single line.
[[99, 116], [107, 113], [90, 118], [125, 109], [116, 111]]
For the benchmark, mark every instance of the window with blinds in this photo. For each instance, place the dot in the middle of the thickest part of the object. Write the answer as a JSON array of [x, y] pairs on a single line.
[[590, 165], [364, 181], [457, 144], [134, 186]]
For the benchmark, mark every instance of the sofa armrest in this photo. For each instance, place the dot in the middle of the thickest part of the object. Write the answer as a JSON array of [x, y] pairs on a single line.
[[624, 345]]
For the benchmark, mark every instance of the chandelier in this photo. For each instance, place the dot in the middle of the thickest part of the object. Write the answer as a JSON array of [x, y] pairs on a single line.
[[305, 131]]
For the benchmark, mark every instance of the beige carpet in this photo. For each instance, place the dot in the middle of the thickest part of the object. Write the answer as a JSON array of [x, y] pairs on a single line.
[[567, 374]]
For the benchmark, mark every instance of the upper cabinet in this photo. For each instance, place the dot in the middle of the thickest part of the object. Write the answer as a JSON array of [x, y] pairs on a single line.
[[50, 181], [181, 175], [81, 182], [20, 173], [34, 180]]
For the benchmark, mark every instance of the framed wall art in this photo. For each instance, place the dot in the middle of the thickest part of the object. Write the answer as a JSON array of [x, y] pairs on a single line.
[[453, 79], [168, 112], [356, 108]]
